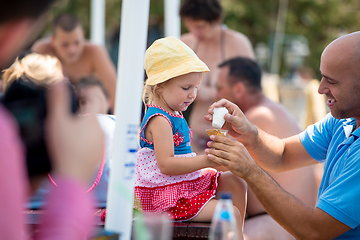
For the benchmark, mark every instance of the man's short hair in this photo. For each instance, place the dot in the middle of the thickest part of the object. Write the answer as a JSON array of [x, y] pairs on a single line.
[[15, 9], [66, 22], [244, 70], [208, 10], [91, 81]]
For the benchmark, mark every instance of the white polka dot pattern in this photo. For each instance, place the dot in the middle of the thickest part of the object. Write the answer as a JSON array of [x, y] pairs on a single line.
[[148, 174], [181, 201]]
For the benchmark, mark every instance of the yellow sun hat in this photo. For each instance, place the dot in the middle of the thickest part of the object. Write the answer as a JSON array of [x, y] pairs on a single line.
[[169, 57]]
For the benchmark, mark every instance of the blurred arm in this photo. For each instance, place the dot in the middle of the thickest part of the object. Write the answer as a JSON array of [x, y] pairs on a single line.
[[13, 180], [106, 72]]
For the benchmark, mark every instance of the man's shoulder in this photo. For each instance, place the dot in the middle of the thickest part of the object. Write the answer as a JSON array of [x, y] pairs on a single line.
[[235, 36], [239, 44], [92, 50], [42, 46], [189, 40], [272, 117], [263, 112]]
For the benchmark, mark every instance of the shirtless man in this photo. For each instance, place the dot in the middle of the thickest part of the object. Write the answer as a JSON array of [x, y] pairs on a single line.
[[79, 57], [213, 43], [239, 81]]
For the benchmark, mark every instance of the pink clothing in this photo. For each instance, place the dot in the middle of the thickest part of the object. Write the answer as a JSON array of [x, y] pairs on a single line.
[[149, 175], [181, 196], [69, 210]]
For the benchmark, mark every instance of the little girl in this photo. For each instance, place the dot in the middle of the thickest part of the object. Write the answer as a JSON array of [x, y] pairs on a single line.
[[169, 176]]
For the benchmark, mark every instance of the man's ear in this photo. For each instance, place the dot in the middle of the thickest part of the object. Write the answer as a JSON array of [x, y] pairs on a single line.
[[52, 39], [238, 90], [13, 37]]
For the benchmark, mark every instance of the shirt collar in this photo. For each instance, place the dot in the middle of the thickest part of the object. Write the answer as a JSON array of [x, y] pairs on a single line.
[[348, 125]]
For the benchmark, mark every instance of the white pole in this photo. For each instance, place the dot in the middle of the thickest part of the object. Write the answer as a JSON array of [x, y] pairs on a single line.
[[98, 22], [172, 18], [279, 36], [133, 37]]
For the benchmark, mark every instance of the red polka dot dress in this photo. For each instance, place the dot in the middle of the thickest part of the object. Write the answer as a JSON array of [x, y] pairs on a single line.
[[182, 197]]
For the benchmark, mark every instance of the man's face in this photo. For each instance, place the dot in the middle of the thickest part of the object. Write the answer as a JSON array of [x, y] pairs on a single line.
[[201, 29], [222, 85], [340, 82], [68, 45]]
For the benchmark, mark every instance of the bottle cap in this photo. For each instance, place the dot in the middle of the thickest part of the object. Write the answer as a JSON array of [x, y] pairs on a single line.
[[225, 195]]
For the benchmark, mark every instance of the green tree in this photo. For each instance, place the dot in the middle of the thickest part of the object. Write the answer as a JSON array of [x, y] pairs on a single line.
[[320, 21]]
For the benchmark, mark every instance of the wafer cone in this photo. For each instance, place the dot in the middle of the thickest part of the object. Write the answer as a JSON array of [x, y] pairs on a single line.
[[217, 132]]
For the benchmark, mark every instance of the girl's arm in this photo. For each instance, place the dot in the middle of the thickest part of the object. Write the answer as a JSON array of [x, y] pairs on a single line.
[[159, 131]]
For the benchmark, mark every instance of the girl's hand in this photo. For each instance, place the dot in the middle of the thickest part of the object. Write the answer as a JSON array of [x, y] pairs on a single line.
[[236, 123]]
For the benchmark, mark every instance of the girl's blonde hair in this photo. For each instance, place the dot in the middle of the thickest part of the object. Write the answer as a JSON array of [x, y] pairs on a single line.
[[149, 92], [40, 69]]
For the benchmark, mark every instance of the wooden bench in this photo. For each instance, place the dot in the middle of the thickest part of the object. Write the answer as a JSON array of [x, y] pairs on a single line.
[[191, 230], [181, 230]]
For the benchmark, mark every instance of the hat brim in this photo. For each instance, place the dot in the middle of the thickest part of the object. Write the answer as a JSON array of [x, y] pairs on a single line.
[[187, 66]]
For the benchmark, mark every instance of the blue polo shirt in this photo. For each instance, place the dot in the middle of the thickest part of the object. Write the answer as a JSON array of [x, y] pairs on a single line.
[[334, 142]]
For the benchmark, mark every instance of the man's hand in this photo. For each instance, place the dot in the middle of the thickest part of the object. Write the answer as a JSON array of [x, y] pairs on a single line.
[[75, 144], [236, 123], [232, 154]]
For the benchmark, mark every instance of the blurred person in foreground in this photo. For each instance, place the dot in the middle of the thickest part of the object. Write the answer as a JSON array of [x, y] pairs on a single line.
[[239, 81], [38, 72], [80, 58], [334, 140], [74, 144], [213, 43]]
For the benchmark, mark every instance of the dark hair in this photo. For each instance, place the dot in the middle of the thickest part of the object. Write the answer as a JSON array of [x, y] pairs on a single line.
[[245, 70], [208, 10], [24, 54], [15, 9], [90, 81], [66, 21]]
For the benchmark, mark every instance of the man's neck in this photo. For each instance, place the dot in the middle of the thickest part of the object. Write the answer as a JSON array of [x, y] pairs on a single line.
[[253, 100]]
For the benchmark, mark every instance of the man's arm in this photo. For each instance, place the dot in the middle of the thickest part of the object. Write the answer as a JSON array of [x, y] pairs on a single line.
[[105, 71], [239, 45], [42, 46], [300, 220], [270, 152]]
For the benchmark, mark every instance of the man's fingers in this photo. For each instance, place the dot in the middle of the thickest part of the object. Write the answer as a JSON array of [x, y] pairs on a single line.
[[208, 118], [58, 100], [221, 140], [217, 159], [220, 103]]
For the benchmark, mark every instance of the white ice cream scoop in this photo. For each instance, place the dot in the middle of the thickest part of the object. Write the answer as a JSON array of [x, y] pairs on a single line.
[[218, 119]]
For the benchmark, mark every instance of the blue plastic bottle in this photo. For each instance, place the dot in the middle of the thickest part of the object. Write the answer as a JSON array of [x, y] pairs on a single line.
[[223, 224]]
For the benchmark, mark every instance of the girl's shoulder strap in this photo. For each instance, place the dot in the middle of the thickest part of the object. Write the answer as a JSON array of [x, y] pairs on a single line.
[[152, 111]]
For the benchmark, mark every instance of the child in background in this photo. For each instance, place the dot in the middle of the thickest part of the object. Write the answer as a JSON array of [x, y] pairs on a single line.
[[93, 96], [169, 176]]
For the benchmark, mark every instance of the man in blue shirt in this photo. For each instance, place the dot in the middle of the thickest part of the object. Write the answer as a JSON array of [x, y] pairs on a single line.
[[334, 141]]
